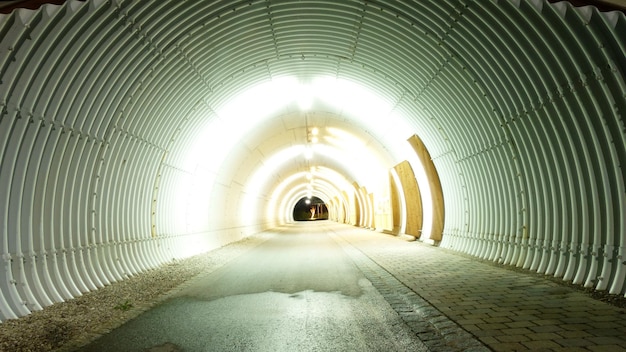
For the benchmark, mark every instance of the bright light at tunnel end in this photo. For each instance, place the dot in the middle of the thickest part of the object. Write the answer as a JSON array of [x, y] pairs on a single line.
[[243, 114]]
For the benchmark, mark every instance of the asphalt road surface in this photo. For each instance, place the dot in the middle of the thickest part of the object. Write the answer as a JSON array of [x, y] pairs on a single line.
[[297, 291]]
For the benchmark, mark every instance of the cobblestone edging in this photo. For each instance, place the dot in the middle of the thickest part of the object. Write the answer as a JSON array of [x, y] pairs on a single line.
[[431, 326]]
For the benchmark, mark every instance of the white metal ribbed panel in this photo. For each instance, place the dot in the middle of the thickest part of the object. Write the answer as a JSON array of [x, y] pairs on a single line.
[[521, 105]]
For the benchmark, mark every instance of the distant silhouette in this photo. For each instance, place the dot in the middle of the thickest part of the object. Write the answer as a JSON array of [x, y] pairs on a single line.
[[315, 210]]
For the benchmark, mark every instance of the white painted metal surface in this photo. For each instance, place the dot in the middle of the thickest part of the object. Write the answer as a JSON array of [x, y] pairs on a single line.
[[520, 103]]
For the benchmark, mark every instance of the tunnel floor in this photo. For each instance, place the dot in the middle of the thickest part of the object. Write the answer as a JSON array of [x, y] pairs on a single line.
[[319, 286]]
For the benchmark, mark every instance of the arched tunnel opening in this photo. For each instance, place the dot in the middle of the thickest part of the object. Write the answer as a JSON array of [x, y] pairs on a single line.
[[310, 208], [134, 134]]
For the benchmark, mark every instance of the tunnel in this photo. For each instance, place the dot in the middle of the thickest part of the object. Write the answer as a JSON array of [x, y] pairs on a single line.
[[135, 133]]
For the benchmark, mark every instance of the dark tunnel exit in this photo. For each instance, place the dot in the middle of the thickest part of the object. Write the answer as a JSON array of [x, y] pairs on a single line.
[[307, 209]]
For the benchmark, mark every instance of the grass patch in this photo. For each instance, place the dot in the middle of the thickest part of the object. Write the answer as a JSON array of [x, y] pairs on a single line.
[[124, 306]]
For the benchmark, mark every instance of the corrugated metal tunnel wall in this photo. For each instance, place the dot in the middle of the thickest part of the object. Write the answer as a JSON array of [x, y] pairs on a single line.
[[520, 103]]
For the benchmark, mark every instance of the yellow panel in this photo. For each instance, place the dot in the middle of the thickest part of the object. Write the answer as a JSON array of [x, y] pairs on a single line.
[[413, 199], [435, 186], [372, 221], [394, 199]]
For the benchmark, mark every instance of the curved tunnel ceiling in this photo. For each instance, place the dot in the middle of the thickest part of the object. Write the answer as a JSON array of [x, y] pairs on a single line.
[[133, 132]]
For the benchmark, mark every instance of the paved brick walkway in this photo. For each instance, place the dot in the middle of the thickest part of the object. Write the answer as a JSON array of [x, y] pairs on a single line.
[[433, 328], [505, 310]]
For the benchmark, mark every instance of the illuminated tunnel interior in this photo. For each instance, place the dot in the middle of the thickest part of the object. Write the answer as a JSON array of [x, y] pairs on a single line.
[[133, 133]]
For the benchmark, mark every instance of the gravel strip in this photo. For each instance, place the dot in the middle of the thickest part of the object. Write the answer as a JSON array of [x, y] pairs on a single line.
[[68, 325]]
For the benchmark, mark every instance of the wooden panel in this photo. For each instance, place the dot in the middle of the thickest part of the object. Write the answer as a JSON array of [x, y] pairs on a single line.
[[435, 187], [372, 221], [355, 207], [413, 199], [346, 207], [394, 199]]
